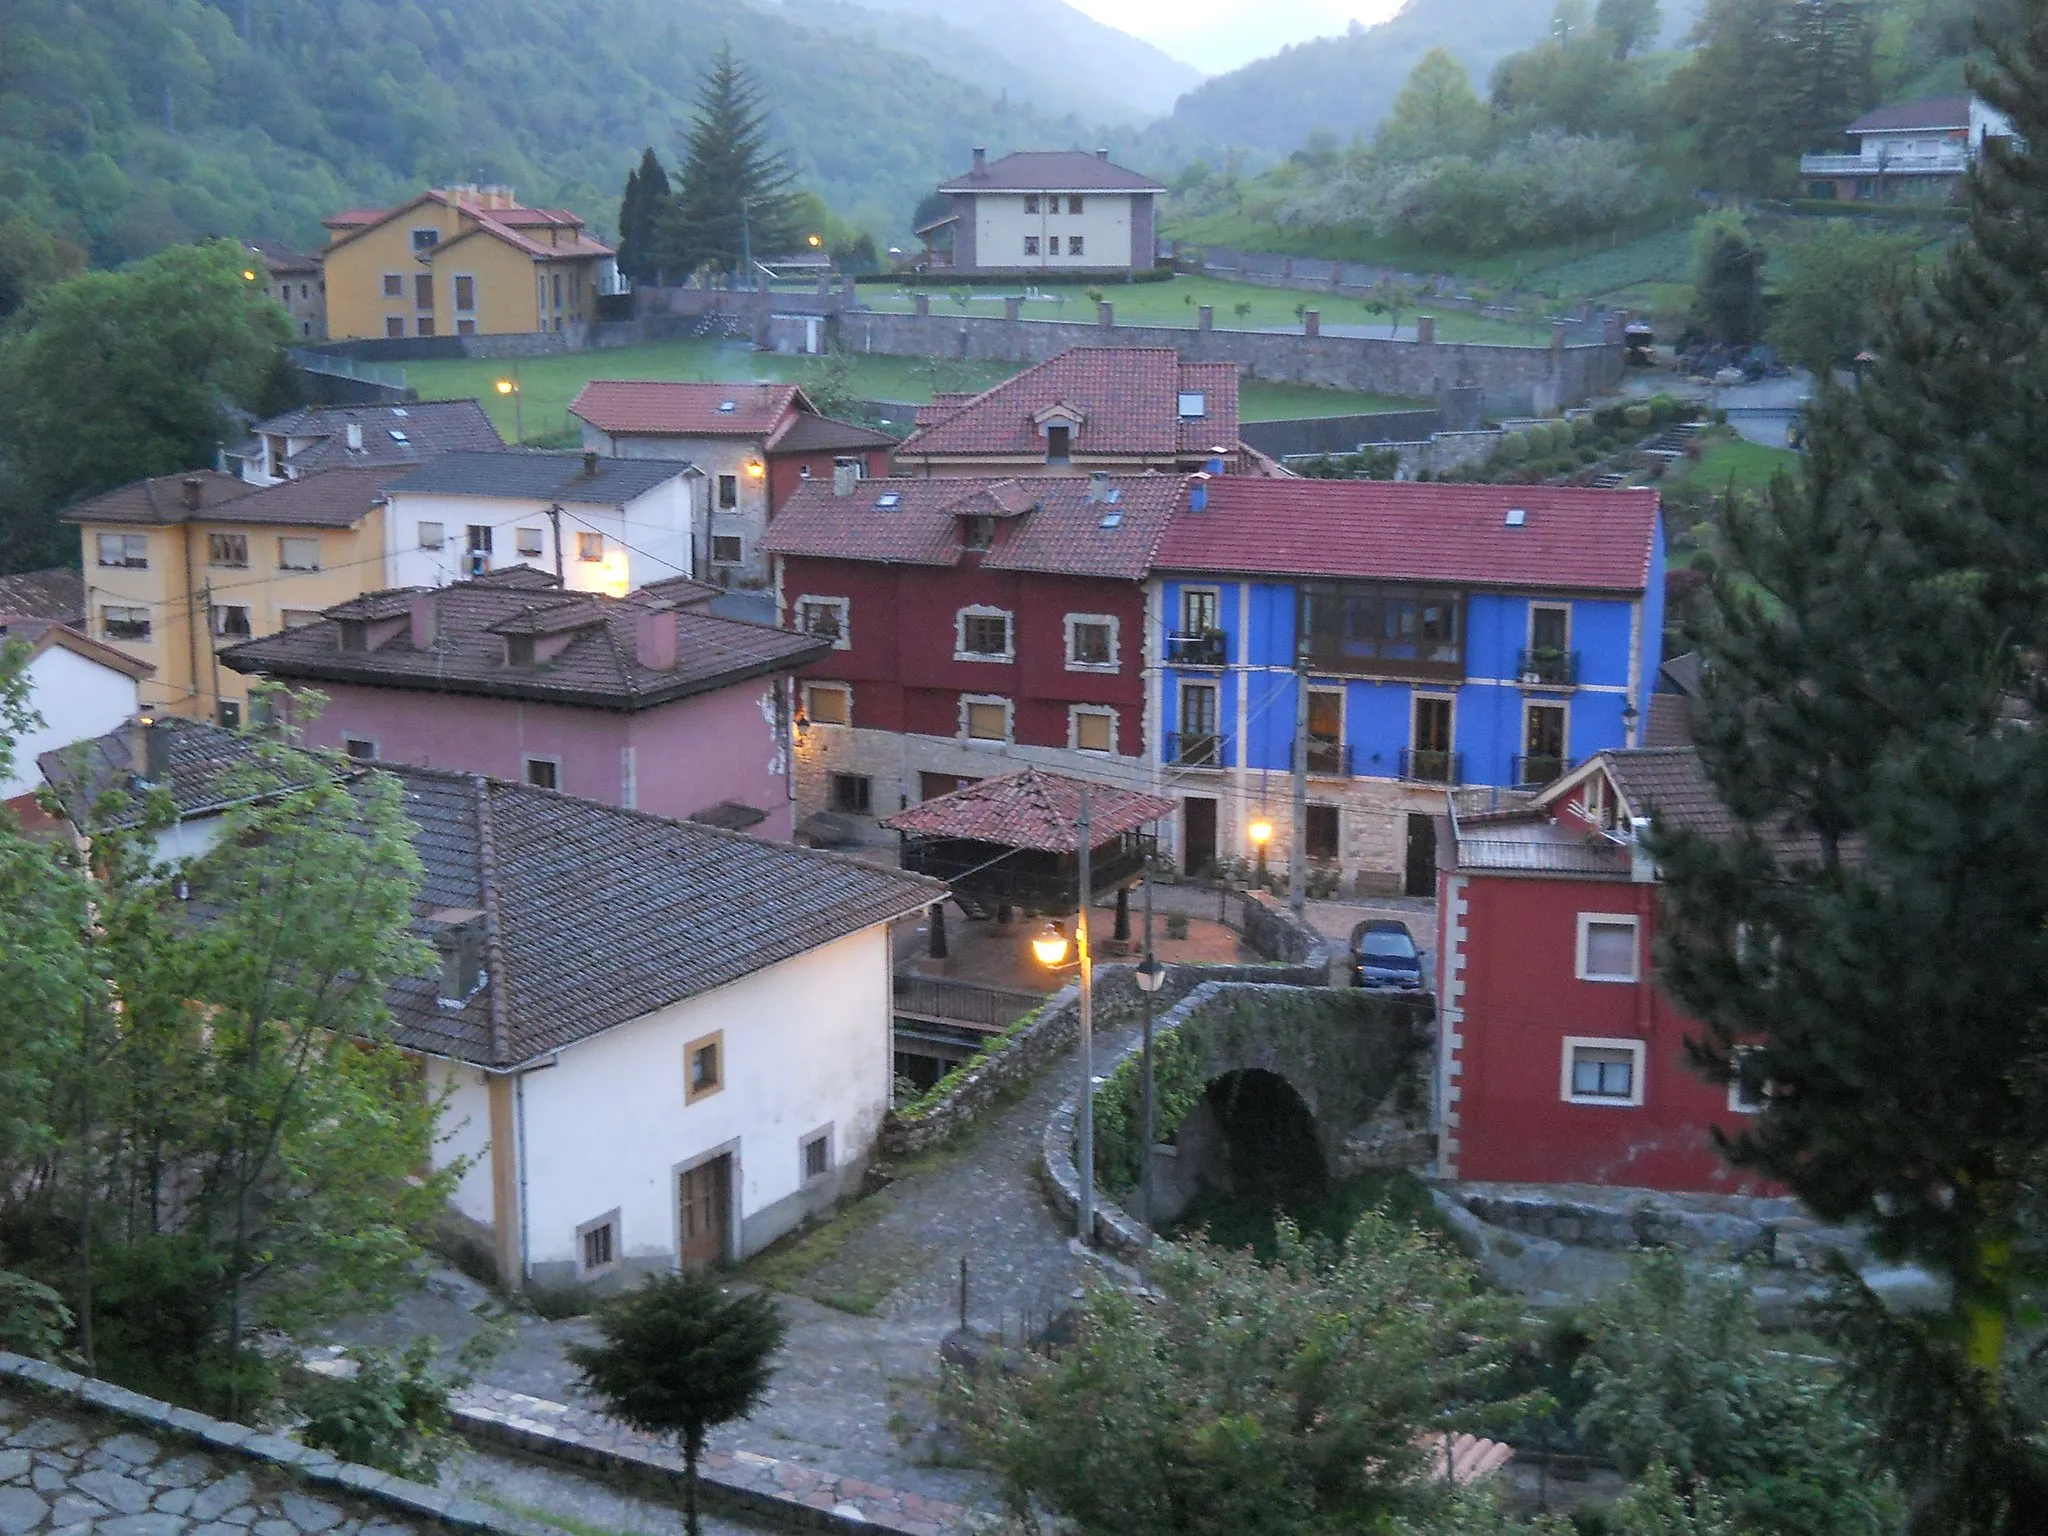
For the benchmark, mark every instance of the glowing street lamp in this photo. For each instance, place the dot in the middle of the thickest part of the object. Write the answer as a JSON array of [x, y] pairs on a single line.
[[1050, 945], [510, 386], [1261, 833]]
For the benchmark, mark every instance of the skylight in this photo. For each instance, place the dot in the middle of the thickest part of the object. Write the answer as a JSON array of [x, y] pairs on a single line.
[[1193, 404], [400, 411], [1112, 520], [888, 501], [728, 405], [398, 436], [1517, 516]]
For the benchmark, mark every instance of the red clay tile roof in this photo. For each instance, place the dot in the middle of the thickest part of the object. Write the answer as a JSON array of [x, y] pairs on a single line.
[[1570, 539], [1031, 809], [1905, 117], [1128, 399], [500, 222], [668, 408], [1064, 534], [1053, 170]]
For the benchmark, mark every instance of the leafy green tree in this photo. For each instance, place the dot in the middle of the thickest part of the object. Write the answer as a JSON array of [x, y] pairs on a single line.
[[679, 1356], [114, 375], [1630, 26], [1437, 113], [1246, 1398], [1728, 301], [737, 189], [1769, 79], [31, 258], [1832, 286], [641, 213]]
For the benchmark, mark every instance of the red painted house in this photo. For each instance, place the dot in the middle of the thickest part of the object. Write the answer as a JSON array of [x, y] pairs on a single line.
[[1559, 1059], [978, 626]]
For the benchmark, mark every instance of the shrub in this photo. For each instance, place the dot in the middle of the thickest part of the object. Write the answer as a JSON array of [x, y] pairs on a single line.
[[1637, 416], [389, 1413], [1176, 925], [1514, 447], [1662, 409], [1585, 428], [33, 1318]]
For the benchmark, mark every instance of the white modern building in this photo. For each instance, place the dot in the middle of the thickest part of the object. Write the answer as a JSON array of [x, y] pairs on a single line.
[[1918, 149]]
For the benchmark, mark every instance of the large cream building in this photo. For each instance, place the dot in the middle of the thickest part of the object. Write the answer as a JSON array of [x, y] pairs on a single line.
[[1055, 213]]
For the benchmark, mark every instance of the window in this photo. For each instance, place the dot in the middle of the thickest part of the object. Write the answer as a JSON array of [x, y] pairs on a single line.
[[125, 623], [544, 772], [298, 554], [984, 719], [529, 541], [1607, 947], [590, 547], [1198, 610], [855, 465], [229, 714], [425, 239], [983, 635], [728, 549], [828, 703], [1073, 206], [1094, 730], [393, 326], [299, 618], [423, 291], [1059, 444], [1746, 1097], [1543, 738], [1197, 745], [597, 1243], [360, 748], [1602, 1072], [465, 293], [431, 535], [817, 1155], [1052, 245], [480, 537], [1031, 245], [1383, 631], [1430, 758], [230, 549], [1074, 241], [1325, 731], [394, 285], [231, 620], [558, 290], [465, 327], [1031, 202], [1091, 642], [426, 325], [728, 491], [703, 1067], [130, 550], [1323, 827], [852, 793], [825, 617], [1194, 405], [977, 533]]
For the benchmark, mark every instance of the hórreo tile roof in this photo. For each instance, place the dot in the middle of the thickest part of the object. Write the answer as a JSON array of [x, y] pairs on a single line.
[[1054, 170], [1128, 399], [1032, 809], [670, 408]]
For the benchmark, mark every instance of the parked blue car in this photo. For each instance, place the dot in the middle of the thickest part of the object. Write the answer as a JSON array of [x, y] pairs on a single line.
[[1384, 956]]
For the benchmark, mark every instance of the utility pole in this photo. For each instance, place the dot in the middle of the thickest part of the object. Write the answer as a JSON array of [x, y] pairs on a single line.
[[1084, 1154], [555, 517], [1297, 854], [1147, 981]]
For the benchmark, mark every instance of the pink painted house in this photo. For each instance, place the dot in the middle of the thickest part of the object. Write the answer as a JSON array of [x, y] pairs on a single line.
[[646, 701]]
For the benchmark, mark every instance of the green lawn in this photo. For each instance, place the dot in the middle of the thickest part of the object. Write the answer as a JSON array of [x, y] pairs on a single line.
[[548, 384], [1175, 303], [1749, 466]]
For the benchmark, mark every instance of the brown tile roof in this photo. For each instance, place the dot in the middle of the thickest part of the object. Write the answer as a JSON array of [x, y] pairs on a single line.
[[669, 408], [1031, 809], [1128, 399], [527, 474], [57, 594], [1568, 539], [1670, 785], [336, 498], [41, 634], [1055, 170], [599, 666], [160, 500], [1062, 531], [805, 433], [199, 757], [279, 257], [1670, 721], [1905, 117], [417, 432]]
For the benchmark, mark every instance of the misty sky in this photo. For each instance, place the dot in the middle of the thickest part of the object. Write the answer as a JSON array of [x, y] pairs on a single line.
[[1216, 35]]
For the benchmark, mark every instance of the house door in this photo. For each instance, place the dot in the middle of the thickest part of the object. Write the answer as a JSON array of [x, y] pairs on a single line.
[[1421, 876], [1197, 834], [704, 1201]]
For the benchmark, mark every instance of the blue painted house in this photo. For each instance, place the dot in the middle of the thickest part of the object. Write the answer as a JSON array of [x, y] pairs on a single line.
[[1478, 637]]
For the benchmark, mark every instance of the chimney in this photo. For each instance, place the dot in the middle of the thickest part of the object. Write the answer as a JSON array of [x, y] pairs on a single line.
[[1198, 493], [149, 750], [590, 463], [654, 640], [194, 492], [980, 159], [844, 478], [355, 437], [1102, 154], [426, 621], [1098, 486], [459, 939]]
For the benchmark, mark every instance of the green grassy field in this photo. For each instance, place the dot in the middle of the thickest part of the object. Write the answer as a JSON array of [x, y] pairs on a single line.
[[548, 384], [1748, 466], [1176, 302]]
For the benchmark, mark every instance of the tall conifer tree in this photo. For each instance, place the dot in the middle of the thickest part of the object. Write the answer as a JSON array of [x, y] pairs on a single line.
[[738, 192], [641, 214]]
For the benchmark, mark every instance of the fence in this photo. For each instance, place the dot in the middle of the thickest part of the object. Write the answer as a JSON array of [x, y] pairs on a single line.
[[938, 1001]]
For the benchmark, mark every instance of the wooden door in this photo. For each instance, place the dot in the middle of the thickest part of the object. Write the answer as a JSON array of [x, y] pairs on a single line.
[[1421, 872], [704, 1200], [1198, 834]]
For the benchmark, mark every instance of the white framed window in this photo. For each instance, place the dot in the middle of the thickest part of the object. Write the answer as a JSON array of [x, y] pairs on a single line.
[[1031, 245], [986, 717], [228, 549], [300, 553], [528, 541], [394, 288], [590, 547], [825, 617], [984, 634], [1031, 202], [1741, 1100], [814, 1155], [828, 704], [1091, 728], [431, 535], [130, 550], [1602, 1071], [597, 1245], [1094, 643], [1074, 241], [124, 623], [544, 772], [465, 292], [1607, 948], [231, 620]]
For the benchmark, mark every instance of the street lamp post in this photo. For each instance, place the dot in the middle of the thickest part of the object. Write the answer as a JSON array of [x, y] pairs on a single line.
[[510, 386], [1051, 949], [1261, 833], [1151, 975]]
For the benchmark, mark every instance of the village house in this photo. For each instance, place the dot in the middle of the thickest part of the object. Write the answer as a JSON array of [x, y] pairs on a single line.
[[295, 280], [1046, 213], [1421, 637], [317, 437], [647, 702], [1120, 409], [1914, 150], [682, 1093], [977, 626], [78, 689], [597, 524], [180, 566], [461, 261], [1559, 1058], [754, 443]]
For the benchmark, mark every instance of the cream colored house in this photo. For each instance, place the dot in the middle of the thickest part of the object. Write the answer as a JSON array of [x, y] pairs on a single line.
[[1053, 213]]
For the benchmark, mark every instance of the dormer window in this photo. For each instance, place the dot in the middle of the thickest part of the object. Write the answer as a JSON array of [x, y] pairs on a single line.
[[519, 650], [355, 635], [1059, 440], [977, 533], [1194, 405]]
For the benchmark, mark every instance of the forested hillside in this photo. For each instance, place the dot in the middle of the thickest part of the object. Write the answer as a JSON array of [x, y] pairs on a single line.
[[126, 125]]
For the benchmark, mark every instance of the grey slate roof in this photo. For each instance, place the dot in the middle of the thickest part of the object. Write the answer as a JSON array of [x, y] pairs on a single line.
[[200, 756], [57, 594], [523, 475], [1052, 170], [427, 429]]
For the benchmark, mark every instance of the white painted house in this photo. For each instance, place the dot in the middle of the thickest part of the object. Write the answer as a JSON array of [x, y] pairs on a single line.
[[1059, 213], [1911, 149], [78, 689], [601, 524]]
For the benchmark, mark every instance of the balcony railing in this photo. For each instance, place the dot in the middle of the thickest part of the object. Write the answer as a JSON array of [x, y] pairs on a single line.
[[1329, 759], [1197, 749], [1424, 766], [1209, 649], [1547, 667], [1535, 770], [1941, 163]]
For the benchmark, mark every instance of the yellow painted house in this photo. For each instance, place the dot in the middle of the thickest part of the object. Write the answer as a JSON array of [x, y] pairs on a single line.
[[180, 566], [461, 261]]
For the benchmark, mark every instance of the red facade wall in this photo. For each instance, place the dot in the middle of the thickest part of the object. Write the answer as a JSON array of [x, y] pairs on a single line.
[[1522, 998], [901, 625], [786, 471]]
